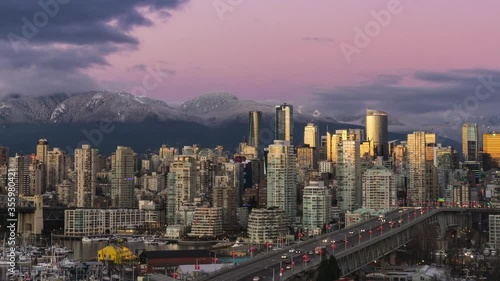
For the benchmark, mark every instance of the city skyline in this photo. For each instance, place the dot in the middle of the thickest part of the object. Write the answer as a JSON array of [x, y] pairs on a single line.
[[249, 140]]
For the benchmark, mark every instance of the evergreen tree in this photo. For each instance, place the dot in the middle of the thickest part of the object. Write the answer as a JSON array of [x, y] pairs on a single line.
[[323, 271], [334, 268], [329, 270]]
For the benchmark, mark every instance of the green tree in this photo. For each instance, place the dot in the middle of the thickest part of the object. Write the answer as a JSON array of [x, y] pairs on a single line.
[[323, 271], [329, 270], [334, 268]]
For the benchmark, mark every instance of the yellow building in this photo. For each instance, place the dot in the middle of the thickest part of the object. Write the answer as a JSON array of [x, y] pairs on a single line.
[[491, 146], [115, 254]]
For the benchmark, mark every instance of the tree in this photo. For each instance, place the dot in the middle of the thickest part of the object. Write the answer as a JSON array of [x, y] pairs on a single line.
[[323, 271], [329, 270], [334, 268]]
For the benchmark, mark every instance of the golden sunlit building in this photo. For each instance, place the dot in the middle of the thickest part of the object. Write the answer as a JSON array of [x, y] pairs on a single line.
[[377, 133], [311, 135], [491, 146]]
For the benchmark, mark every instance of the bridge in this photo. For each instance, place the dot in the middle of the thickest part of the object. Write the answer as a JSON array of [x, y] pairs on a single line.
[[355, 246], [31, 213]]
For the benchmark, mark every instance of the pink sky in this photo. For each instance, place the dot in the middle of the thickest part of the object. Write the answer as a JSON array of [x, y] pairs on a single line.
[[258, 50]]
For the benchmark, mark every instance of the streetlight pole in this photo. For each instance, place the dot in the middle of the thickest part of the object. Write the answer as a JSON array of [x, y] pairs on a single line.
[[272, 270]]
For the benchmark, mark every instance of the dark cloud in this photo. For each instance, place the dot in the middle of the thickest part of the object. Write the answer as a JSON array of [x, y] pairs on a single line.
[[319, 39], [428, 105], [65, 37], [81, 22]]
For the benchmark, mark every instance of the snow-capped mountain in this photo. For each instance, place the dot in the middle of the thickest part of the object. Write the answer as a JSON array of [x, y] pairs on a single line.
[[217, 108], [89, 107], [85, 107]]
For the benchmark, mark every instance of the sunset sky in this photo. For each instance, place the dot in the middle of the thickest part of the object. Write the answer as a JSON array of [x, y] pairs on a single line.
[[428, 56]]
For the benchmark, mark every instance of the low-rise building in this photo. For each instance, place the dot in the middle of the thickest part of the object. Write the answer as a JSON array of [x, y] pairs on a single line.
[[207, 222], [175, 231], [266, 225], [88, 222]]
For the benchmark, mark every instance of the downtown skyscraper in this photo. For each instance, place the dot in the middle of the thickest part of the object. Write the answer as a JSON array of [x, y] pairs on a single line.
[[311, 135], [281, 178], [254, 122], [284, 123], [85, 176], [349, 193], [470, 142], [377, 133], [122, 178], [421, 184]]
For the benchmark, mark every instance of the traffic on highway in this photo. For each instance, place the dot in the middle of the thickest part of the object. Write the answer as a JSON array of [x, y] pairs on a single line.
[[281, 264]]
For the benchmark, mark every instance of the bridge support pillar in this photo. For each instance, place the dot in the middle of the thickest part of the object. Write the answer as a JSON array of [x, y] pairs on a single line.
[[442, 244], [31, 223]]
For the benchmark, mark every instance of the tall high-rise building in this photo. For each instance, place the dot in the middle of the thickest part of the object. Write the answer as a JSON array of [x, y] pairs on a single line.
[[333, 141], [57, 167], [254, 122], [42, 149], [377, 133], [4, 155], [443, 161], [491, 146], [399, 158], [470, 142], [281, 178], [85, 176], [284, 123], [171, 199], [21, 164], [349, 192], [184, 169], [311, 135], [37, 176], [306, 158], [317, 203], [167, 153], [379, 188], [122, 178], [227, 191], [422, 181]]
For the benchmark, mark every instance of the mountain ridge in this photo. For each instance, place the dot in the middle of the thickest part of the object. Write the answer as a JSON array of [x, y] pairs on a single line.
[[211, 109]]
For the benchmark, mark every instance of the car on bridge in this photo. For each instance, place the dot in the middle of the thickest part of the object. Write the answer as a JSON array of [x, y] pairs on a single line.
[[256, 278]]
